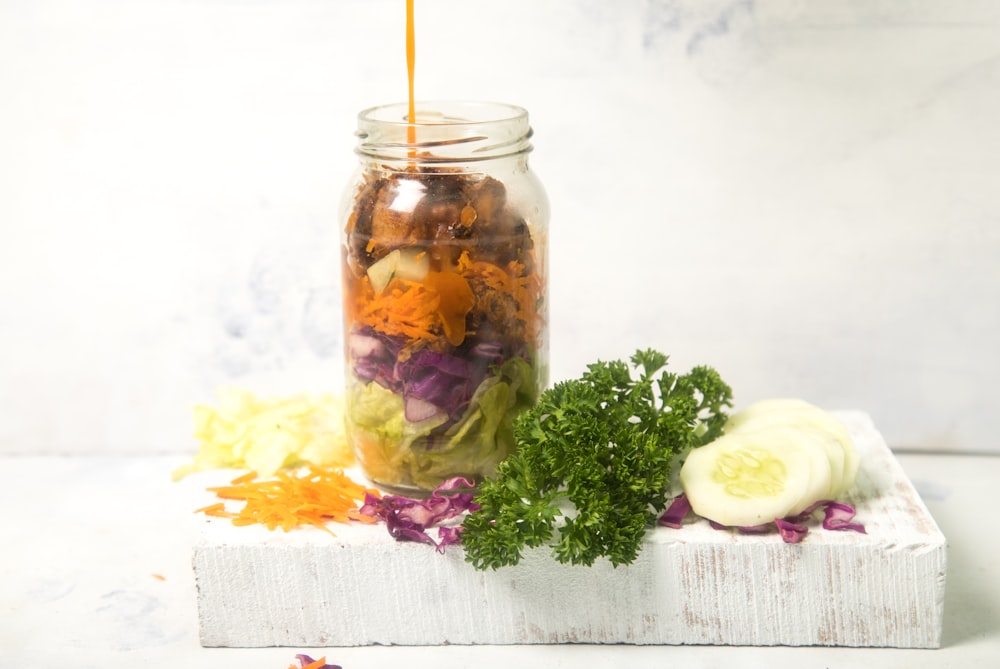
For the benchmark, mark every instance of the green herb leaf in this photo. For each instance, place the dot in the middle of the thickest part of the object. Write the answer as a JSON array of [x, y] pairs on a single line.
[[592, 468]]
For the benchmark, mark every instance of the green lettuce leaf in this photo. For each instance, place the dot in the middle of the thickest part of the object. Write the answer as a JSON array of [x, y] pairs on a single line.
[[395, 451]]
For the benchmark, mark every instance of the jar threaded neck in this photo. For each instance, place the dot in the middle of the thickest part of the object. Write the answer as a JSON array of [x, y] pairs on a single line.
[[446, 132]]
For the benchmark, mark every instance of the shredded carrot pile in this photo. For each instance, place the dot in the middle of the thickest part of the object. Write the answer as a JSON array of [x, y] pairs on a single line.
[[435, 308], [318, 496], [429, 310], [404, 308]]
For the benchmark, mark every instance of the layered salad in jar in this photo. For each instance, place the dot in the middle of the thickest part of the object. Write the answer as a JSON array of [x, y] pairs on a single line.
[[444, 321]]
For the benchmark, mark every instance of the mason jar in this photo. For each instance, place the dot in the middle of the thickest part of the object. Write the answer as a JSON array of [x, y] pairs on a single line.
[[445, 238]]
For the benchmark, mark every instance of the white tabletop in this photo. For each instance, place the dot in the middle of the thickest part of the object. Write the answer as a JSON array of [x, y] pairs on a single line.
[[95, 571]]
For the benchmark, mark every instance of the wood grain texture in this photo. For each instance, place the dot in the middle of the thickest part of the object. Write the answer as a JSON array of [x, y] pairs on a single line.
[[695, 585]]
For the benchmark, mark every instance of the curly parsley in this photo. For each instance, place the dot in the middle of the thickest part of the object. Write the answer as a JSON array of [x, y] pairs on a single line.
[[593, 463]]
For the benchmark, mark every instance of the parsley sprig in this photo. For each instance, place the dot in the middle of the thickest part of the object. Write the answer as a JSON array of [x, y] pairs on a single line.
[[592, 468]]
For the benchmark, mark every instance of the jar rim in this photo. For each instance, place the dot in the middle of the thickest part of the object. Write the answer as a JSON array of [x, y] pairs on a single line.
[[445, 131], [443, 112]]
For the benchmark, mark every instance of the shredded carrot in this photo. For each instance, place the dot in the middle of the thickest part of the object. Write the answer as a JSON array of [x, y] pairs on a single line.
[[525, 289], [318, 496], [159, 577], [427, 310], [404, 308], [214, 510], [246, 478], [435, 309]]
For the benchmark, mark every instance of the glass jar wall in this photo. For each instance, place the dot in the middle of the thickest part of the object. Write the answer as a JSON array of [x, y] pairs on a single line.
[[445, 236]]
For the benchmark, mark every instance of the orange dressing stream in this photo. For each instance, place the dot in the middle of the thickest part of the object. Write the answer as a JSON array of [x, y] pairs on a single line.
[[411, 53]]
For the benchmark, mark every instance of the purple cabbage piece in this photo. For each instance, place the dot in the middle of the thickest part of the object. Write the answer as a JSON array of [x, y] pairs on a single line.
[[441, 379], [305, 660], [837, 516], [431, 382], [754, 529], [791, 533], [449, 535], [374, 357], [675, 513], [402, 529], [409, 519]]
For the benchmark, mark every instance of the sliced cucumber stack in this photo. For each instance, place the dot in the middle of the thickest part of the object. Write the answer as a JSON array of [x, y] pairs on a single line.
[[775, 459]]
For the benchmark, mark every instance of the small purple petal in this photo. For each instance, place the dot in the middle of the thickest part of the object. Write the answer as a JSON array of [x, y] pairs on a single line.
[[838, 516], [675, 513], [403, 530], [755, 529], [791, 533], [305, 660], [449, 536]]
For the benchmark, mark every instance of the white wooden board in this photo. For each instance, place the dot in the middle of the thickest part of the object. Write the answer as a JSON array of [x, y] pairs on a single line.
[[695, 585]]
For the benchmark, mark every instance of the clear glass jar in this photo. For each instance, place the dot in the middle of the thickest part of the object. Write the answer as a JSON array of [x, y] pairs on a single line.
[[445, 238]]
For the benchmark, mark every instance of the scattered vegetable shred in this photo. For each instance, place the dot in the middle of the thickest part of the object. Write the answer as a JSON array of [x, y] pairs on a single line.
[[316, 497], [409, 519], [837, 516], [306, 662], [266, 434]]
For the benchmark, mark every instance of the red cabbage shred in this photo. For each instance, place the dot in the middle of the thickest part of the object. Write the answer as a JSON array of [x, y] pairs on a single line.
[[409, 519], [837, 516]]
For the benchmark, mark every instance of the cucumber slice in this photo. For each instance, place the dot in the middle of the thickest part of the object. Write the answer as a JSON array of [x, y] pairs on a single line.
[[776, 406], [750, 478], [821, 481], [410, 264], [800, 413], [804, 424], [816, 444]]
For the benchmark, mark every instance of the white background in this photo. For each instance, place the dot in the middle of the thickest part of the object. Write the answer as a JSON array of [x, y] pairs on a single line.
[[801, 194]]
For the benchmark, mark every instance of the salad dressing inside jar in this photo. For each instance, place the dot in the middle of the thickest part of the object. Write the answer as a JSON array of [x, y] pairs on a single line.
[[444, 279]]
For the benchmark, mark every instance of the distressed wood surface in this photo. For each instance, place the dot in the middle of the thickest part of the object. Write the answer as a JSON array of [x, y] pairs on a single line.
[[695, 585]]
